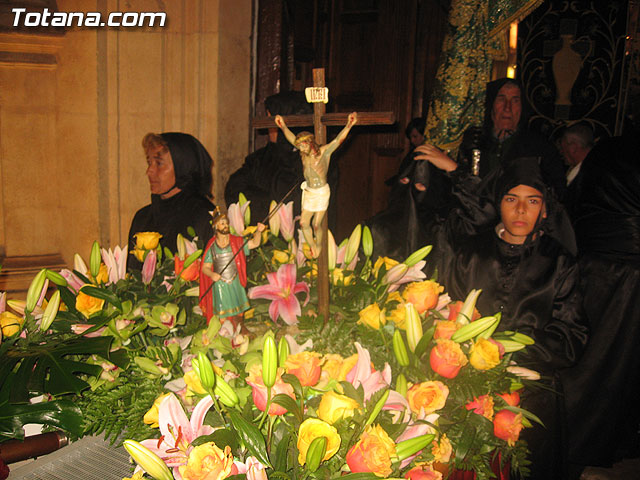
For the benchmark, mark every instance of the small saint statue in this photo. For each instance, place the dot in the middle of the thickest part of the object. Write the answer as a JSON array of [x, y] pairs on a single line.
[[224, 264], [315, 189]]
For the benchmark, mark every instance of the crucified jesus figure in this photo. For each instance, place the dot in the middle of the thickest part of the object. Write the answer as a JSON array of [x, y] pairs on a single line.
[[315, 189]]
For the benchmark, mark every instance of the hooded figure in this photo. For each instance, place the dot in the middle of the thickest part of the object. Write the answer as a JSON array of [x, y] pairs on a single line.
[[518, 247], [504, 137], [179, 173]]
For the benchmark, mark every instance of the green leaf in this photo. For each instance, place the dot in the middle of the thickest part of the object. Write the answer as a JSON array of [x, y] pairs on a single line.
[[46, 368], [351, 392], [62, 414], [294, 382], [282, 452], [221, 437], [424, 342], [250, 436], [290, 404]]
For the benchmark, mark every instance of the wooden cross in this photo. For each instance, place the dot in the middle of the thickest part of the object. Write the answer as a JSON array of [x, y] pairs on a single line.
[[320, 120]]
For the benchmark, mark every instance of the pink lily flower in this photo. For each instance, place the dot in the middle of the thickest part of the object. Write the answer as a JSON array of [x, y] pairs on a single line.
[[178, 432], [364, 374], [281, 290], [252, 468], [235, 213], [80, 328], [72, 279], [116, 262], [149, 266], [3, 301], [285, 213], [340, 256], [413, 274]]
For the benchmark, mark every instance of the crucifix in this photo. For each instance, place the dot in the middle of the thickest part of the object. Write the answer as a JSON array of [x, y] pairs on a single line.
[[318, 95]]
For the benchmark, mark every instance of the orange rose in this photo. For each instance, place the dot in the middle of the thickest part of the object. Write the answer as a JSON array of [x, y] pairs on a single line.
[[423, 471], [444, 329], [507, 426], [454, 310], [482, 405], [372, 453], [87, 304], [485, 354], [207, 462], [305, 366], [447, 358], [424, 295], [428, 396], [259, 391], [512, 398], [192, 272]]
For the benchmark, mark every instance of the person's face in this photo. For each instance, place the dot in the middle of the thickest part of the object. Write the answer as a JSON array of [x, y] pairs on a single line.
[[520, 208], [222, 226], [304, 147], [507, 108], [568, 152], [416, 138], [160, 170]]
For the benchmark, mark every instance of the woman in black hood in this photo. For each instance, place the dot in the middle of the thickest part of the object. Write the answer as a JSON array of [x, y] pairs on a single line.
[[179, 173], [519, 248]]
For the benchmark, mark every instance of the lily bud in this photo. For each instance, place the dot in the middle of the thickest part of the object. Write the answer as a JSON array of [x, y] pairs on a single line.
[[225, 393], [35, 289], [400, 349], [414, 326], [182, 248], [148, 461], [469, 305], [401, 385], [394, 274], [191, 258], [412, 446], [269, 361], [79, 265], [473, 329], [283, 351], [247, 213], [192, 292], [332, 250], [204, 371], [353, 244], [378, 407], [274, 219], [51, 311], [367, 241], [95, 259], [315, 453], [56, 278], [418, 255], [149, 266]]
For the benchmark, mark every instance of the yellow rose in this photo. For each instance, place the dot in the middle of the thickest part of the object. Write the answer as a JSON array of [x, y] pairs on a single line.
[[372, 453], [10, 324], [372, 316], [398, 316], [311, 429], [151, 417], [394, 297], [207, 462], [280, 257], [386, 261], [139, 254], [442, 450], [86, 304], [147, 240], [347, 366], [430, 396], [332, 365], [484, 355], [338, 278], [334, 407], [423, 295], [103, 274]]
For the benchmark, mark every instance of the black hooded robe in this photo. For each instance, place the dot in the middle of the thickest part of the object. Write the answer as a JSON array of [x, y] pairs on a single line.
[[535, 288]]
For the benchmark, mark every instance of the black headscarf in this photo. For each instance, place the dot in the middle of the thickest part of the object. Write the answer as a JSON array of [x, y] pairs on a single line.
[[490, 97], [191, 163], [527, 171]]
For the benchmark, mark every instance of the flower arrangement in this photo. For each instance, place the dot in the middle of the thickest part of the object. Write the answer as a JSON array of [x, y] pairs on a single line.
[[399, 381]]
